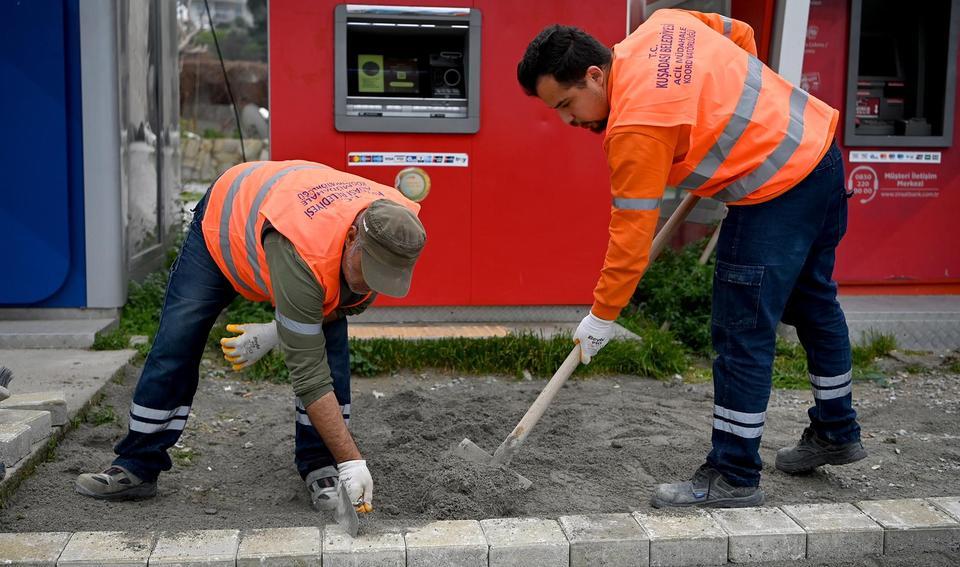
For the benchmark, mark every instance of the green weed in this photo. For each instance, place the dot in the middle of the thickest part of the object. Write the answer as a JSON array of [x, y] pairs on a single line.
[[183, 456], [875, 345], [676, 291], [101, 415]]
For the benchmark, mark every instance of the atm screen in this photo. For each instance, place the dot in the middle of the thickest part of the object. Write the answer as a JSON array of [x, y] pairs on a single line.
[[378, 75], [396, 62]]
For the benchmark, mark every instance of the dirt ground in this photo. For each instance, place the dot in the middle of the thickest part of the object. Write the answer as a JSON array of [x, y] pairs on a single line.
[[601, 447]]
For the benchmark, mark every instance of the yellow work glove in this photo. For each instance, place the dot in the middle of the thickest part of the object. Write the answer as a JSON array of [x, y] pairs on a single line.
[[254, 341]]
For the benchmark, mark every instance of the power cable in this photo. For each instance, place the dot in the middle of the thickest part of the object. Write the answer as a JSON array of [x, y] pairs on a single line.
[[236, 113]]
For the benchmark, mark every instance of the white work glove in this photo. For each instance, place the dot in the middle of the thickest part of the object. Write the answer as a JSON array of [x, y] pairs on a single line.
[[254, 341], [355, 476], [592, 334]]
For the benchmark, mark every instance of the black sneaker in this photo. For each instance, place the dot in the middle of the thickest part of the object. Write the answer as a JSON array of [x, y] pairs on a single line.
[[706, 488], [812, 451], [115, 483]]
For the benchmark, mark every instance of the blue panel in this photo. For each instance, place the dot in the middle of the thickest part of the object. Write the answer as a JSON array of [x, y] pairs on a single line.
[[36, 201], [73, 292]]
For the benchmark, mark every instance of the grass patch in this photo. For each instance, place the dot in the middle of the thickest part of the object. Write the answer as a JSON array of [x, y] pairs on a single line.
[[790, 366], [676, 291], [657, 356], [101, 415], [140, 315]]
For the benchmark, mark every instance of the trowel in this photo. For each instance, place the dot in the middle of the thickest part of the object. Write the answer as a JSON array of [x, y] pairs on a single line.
[[469, 450], [346, 513]]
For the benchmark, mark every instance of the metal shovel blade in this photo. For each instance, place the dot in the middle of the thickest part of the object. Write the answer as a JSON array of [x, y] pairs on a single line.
[[346, 514], [469, 451]]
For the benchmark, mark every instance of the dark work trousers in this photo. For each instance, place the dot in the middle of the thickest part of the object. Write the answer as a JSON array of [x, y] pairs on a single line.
[[775, 262], [196, 294]]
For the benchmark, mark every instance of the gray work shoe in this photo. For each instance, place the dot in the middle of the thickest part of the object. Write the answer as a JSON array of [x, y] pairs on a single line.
[[706, 488], [115, 483], [812, 451], [322, 485]]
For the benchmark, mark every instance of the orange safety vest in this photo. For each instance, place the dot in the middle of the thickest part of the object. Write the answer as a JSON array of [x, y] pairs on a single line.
[[753, 135], [311, 204]]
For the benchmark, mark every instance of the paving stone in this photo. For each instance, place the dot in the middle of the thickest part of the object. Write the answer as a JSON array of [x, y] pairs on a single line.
[[608, 540], [381, 549], [37, 421], [761, 534], [949, 504], [913, 525], [458, 543], [522, 542], [280, 547], [40, 549], [837, 531], [106, 549], [14, 442], [54, 402], [684, 538], [206, 548]]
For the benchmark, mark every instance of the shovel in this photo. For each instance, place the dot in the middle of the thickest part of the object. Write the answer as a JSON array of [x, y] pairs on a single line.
[[469, 450]]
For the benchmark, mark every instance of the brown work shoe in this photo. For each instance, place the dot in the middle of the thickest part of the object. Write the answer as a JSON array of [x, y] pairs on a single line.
[[115, 483]]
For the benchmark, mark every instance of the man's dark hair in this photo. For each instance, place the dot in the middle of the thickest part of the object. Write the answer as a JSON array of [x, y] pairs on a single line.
[[562, 51]]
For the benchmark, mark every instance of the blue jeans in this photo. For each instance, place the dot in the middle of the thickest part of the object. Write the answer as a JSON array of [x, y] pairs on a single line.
[[196, 294], [775, 262]]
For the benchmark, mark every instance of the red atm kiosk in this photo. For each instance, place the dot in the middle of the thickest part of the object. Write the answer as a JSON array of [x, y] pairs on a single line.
[[892, 70], [515, 202]]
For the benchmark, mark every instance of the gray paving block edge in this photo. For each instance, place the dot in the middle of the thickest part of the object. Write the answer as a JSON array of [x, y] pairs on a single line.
[[320, 551], [44, 449]]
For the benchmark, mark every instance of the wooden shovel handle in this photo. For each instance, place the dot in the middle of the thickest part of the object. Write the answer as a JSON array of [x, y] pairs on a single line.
[[676, 219], [508, 448], [511, 444]]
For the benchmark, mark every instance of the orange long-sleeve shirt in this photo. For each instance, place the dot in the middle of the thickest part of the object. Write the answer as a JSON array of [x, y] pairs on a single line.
[[640, 158]]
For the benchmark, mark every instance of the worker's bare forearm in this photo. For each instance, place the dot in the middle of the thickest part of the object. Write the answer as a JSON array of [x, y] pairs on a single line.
[[326, 418]]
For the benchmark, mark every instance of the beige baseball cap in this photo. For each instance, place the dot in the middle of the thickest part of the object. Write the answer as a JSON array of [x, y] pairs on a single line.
[[391, 239]]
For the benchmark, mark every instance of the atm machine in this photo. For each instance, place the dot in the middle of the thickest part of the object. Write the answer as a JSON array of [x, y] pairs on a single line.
[[425, 97], [892, 72]]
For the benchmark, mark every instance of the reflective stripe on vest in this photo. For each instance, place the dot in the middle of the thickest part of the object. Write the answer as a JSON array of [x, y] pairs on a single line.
[[776, 160], [250, 230], [734, 129], [225, 214], [636, 204], [738, 122], [727, 25]]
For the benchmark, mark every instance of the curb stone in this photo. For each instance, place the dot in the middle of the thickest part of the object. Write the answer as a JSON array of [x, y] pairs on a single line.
[[685, 538], [913, 525]]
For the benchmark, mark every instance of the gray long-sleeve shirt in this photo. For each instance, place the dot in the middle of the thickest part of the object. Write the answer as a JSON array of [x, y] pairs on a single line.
[[299, 300]]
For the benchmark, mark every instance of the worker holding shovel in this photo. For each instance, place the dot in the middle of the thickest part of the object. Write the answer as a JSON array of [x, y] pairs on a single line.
[[684, 101], [315, 242]]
